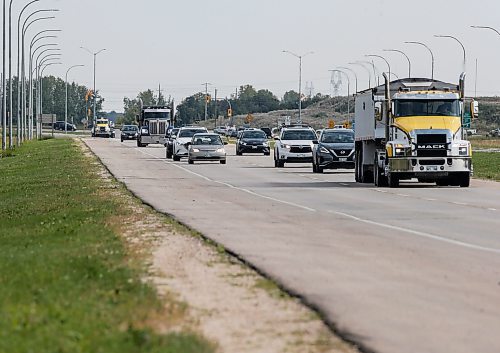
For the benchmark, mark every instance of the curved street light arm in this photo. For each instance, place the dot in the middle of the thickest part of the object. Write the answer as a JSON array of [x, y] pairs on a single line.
[[430, 51], [406, 56]]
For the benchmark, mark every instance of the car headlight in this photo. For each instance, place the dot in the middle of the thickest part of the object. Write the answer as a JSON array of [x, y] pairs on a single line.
[[287, 147], [195, 150], [221, 150], [243, 143], [463, 151], [324, 150], [265, 144]]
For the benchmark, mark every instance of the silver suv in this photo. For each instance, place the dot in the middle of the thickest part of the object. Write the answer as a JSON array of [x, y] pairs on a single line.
[[294, 145]]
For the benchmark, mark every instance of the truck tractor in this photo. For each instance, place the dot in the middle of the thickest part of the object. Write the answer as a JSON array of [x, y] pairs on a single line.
[[103, 128], [413, 128], [153, 124]]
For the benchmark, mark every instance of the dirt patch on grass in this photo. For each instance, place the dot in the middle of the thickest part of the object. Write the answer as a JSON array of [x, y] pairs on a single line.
[[207, 291]]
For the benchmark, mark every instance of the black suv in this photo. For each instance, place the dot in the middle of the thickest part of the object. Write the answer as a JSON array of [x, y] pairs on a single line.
[[169, 141], [334, 150], [252, 141], [129, 132], [59, 125]]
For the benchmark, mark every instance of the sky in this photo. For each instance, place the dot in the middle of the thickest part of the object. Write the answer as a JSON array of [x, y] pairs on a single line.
[[183, 44]]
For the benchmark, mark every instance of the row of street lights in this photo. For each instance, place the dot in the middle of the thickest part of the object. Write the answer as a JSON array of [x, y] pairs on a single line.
[[43, 53], [343, 70]]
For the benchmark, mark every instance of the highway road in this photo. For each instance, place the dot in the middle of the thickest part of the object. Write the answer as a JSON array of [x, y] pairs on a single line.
[[415, 269]]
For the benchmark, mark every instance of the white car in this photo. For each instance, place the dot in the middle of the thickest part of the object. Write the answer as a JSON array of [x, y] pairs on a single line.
[[181, 143], [294, 145]]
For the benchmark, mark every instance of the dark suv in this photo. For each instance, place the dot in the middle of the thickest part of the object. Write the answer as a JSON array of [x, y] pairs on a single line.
[[252, 141], [335, 149], [59, 125], [169, 141]]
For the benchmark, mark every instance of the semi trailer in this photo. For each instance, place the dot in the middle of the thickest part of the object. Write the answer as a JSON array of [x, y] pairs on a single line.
[[413, 128]]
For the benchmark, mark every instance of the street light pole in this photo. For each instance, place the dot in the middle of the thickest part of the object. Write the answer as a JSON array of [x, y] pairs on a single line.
[[95, 93], [20, 128], [41, 92], [66, 105], [406, 56], [367, 70], [381, 57], [430, 51], [25, 28], [354, 73], [300, 57], [4, 88], [461, 44]]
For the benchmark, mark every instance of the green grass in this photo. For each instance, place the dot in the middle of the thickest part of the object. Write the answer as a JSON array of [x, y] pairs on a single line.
[[67, 282], [487, 165]]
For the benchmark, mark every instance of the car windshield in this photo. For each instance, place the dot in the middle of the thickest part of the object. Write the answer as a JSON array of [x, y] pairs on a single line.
[[130, 128], [299, 135], [254, 135], [200, 140], [427, 108], [190, 132], [338, 137]]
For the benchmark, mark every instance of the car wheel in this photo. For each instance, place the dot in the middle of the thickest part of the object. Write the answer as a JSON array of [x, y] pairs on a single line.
[[176, 158], [393, 180], [190, 161], [267, 153], [223, 162], [314, 168], [169, 154]]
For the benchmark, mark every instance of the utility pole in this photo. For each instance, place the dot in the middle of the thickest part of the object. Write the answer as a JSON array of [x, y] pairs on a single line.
[[206, 99], [159, 93], [4, 95], [216, 112]]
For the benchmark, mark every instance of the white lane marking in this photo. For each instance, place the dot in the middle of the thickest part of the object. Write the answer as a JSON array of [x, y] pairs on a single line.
[[230, 185], [492, 209], [460, 203], [418, 233], [403, 195], [344, 184], [430, 199]]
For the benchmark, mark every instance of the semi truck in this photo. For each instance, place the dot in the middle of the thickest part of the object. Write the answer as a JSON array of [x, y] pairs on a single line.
[[153, 123], [413, 129]]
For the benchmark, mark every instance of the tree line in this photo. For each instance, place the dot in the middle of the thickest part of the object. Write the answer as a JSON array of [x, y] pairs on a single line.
[[54, 99], [192, 109]]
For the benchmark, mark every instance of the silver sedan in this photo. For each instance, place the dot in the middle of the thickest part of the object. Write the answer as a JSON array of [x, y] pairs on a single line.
[[207, 147]]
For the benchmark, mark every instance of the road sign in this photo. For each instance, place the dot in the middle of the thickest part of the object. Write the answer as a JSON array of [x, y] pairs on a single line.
[[229, 113], [331, 124], [249, 118]]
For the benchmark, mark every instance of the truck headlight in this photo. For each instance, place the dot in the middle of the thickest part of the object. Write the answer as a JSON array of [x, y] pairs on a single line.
[[400, 151], [195, 150], [144, 131], [463, 151]]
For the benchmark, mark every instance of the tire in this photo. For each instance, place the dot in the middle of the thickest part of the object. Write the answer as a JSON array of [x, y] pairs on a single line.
[[176, 158], [393, 180], [121, 140], [190, 161], [314, 168], [356, 167], [267, 153], [319, 169], [223, 162], [379, 179], [464, 180], [169, 154], [238, 153]]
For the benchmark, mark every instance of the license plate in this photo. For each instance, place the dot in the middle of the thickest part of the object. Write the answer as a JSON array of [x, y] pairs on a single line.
[[432, 168], [342, 159]]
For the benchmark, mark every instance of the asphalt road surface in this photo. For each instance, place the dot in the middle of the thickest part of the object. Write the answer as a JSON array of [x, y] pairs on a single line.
[[414, 269]]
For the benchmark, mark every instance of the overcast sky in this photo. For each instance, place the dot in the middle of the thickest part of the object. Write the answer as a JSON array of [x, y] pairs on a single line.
[[182, 44]]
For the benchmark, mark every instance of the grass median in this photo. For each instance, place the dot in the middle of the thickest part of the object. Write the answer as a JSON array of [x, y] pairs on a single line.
[[487, 165], [67, 280]]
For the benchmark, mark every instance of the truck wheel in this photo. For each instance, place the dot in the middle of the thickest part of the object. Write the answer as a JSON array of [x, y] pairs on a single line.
[[464, 180], [314, 168], [176, 158], [356, 167], [393, 180], [169, 154], [379, 179]]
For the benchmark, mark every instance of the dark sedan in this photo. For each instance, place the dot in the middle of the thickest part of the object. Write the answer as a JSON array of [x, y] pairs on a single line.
[[252, 141], [129, 132], [334, 150]]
